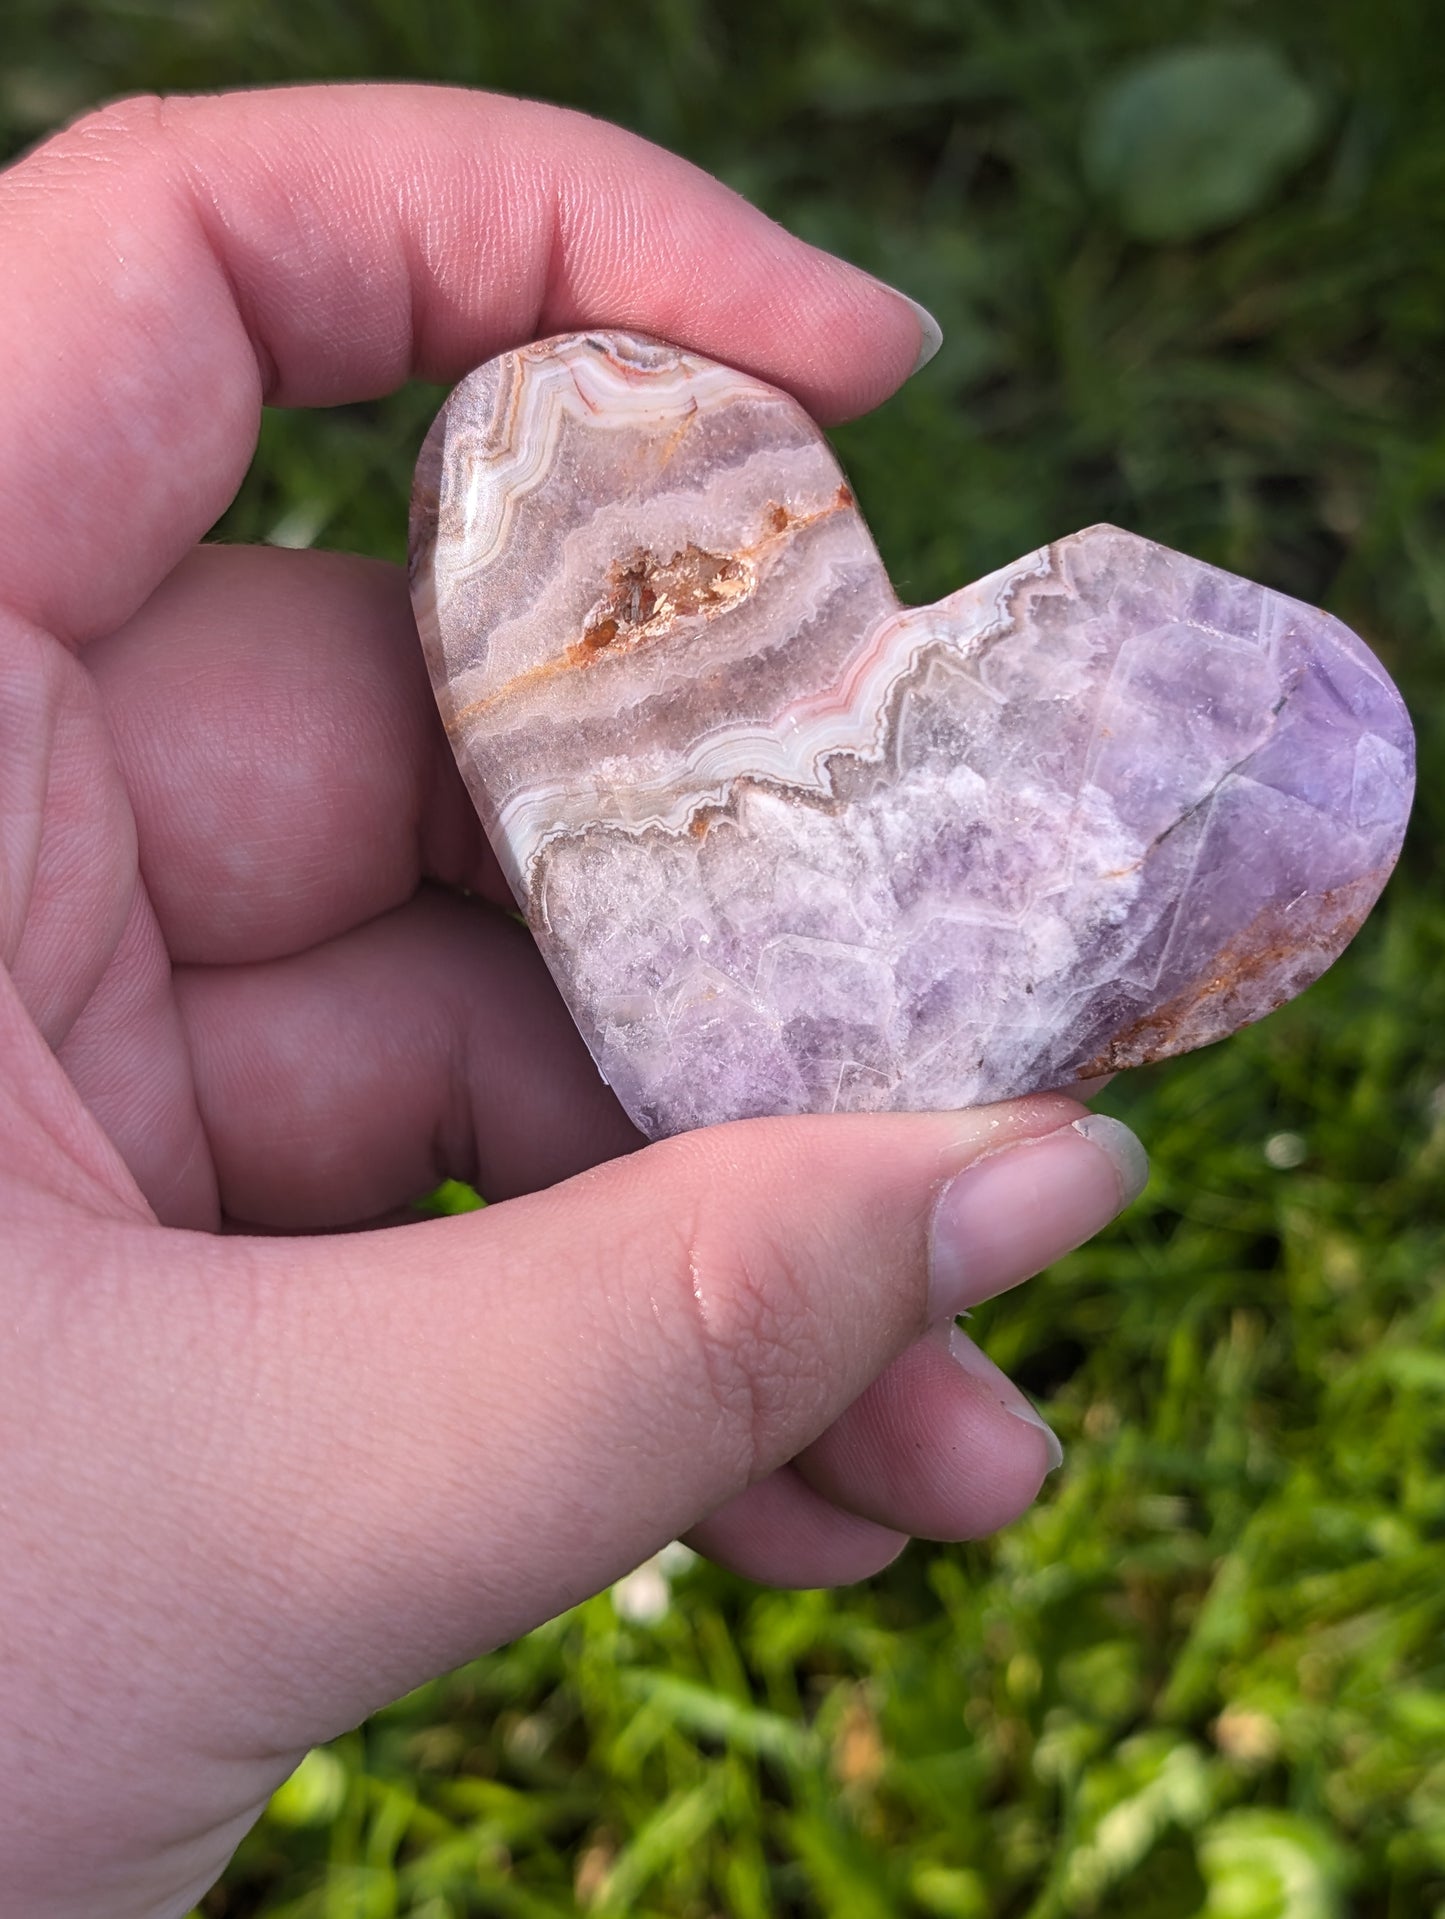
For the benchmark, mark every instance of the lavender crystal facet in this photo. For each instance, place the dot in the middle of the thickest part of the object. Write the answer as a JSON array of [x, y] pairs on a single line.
[[788, 846]]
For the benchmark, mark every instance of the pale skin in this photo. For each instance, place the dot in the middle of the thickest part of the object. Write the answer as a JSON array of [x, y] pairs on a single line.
[[264, 1471]]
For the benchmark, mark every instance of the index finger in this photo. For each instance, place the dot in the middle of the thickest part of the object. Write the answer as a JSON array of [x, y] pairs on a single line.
[[166, 266]]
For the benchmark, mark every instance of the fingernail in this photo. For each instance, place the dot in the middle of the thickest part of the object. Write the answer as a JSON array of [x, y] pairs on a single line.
[[977, 1364], [930, 333], [1007, 1216]]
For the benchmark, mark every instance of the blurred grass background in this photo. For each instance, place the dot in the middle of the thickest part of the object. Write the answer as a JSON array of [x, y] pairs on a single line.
[[1188, 259]]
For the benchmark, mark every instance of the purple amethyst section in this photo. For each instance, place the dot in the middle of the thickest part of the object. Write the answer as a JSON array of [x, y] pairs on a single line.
[[789, 847]]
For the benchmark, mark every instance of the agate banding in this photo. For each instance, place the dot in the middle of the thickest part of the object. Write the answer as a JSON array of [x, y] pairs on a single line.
[[788, 846]]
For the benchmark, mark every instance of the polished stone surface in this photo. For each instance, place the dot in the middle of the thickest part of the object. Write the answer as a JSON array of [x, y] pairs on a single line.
[[788, 846]]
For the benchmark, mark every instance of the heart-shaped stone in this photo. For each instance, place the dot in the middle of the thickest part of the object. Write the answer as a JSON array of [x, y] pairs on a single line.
[[788, 846]]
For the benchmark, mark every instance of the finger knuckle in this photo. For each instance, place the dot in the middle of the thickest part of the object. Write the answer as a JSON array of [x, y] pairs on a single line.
[[747, 1290], [133, 124]]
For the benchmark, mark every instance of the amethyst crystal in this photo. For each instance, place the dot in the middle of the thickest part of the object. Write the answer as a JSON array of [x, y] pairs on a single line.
[[788, 846]]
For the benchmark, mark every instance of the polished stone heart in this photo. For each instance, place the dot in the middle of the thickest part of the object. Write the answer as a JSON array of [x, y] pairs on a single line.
[[788, 846]]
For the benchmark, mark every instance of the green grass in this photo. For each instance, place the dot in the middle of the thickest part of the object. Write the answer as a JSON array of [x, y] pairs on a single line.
[[1205, 1678]]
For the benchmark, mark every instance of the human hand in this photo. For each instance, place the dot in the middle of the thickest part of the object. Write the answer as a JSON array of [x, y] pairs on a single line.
[[263, 1473]]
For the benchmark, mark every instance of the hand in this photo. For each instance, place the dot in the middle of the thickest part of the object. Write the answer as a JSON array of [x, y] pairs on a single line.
[[262, 1473]]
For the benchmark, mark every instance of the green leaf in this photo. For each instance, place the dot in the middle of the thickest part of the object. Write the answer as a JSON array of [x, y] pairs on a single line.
[[672, 1831], [314, 1793], [1154, 1783], [1192, 140], [452, 1196], [705, 1713], [1262, 1864]]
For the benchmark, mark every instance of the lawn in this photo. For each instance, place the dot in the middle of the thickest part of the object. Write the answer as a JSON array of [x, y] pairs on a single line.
[[1190, 267]]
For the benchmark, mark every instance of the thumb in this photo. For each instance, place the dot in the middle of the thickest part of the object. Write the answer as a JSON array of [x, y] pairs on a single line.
[[271, 1484], [455, 1429]]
